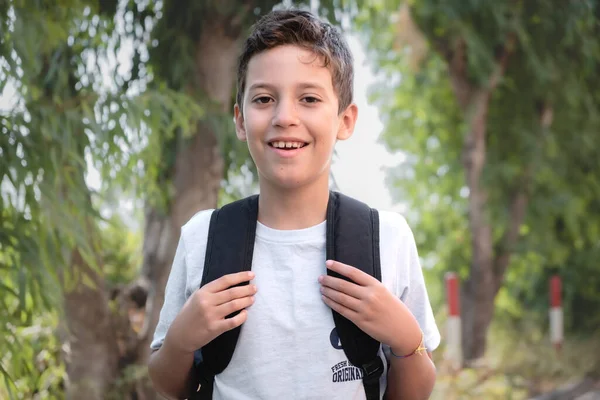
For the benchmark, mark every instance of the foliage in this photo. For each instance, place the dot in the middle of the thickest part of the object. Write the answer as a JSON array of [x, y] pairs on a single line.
[[552, 65], [39, 370], [120, 252], [68, 113], [36, 362]]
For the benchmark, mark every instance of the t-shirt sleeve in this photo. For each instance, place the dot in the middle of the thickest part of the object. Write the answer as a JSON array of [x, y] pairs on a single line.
[[175, 295], [415, 295]]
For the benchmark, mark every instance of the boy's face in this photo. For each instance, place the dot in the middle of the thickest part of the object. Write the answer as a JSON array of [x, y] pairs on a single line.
[[290, 118]]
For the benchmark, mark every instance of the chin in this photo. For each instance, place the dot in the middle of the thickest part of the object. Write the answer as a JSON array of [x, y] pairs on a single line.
[[289, 182]]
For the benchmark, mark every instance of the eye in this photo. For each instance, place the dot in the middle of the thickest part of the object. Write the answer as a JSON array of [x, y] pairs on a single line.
[[262, 100], [310, 99]]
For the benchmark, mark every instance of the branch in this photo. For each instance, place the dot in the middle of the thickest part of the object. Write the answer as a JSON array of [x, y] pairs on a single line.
[[442, 46], [518, 205], [502, 61], [456, 58]]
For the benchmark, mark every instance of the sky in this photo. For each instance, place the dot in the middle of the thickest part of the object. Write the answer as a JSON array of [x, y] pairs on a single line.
[[359, 166]]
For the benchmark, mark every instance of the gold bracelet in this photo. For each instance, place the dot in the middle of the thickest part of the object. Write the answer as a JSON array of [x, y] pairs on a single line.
[[419, 350]]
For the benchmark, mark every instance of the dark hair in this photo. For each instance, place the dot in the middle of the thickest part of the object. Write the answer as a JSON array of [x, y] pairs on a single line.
[[301, 28]]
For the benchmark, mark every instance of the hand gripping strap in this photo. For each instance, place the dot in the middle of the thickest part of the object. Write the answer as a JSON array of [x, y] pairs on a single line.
[[353, 239], [229, 250]]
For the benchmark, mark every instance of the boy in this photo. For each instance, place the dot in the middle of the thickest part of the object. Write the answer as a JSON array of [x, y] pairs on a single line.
[[294, 101]]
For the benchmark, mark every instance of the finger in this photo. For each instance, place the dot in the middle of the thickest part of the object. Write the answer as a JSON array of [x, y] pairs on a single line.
[[227, 281], [355, 274], [233, 293], [234, 305], [344, 311], [233, 322], [341, 285], [342, 299]]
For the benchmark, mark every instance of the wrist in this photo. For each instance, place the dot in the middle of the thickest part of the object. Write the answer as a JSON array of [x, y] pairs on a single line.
[[408, 342], [419, 349]]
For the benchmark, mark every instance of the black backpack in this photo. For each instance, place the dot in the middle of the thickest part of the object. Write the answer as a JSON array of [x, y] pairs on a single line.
[[352, 238]]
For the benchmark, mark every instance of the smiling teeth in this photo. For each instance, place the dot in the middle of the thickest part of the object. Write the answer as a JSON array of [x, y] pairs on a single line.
[[287, 145]]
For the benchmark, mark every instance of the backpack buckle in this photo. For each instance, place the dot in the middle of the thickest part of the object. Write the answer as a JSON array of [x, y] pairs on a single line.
[[373, 370]]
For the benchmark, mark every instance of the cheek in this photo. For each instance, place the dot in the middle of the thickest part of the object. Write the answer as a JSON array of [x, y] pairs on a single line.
[[331, 138], [256, 125]]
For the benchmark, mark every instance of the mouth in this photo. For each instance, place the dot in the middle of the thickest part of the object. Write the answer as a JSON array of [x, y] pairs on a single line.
[[287, 145]]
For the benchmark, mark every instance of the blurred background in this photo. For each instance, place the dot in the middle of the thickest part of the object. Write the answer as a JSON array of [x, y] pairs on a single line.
[[478, 120]]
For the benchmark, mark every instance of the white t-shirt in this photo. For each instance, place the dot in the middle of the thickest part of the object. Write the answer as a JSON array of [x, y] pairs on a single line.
[[287, 347]]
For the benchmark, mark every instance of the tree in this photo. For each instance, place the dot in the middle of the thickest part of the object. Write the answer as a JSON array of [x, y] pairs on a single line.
[[485, 97], [51, 54]]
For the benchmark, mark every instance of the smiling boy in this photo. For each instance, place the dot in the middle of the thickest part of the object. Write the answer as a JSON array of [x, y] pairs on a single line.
[[294, 102]]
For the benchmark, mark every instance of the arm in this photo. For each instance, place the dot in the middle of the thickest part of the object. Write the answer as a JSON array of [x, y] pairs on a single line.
[[202, 318], [375, 310], [412, 375], [169, 367], [411, 378], [189, 324], [171, 371]]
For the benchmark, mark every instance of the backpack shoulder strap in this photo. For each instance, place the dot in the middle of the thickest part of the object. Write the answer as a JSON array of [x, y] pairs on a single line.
[[229, 250], [353, 239]]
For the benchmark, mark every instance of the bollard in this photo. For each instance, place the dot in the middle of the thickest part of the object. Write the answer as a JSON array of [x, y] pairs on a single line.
[[454, 336], [556, 312]]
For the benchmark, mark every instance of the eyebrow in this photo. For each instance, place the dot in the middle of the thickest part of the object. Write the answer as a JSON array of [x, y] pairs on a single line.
[[303, 85], [311, 85], [260, 85]]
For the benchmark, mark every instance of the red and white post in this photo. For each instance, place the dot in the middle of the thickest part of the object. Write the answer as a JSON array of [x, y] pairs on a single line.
[[556, 312], [453, 333]]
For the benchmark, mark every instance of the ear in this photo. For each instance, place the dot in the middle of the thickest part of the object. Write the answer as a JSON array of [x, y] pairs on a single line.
[[347, 122], [240, 127]]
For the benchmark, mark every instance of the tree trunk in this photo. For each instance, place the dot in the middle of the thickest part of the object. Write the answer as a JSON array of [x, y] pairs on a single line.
[[490, 260], [478, 292], [92, 354], [196, 176]]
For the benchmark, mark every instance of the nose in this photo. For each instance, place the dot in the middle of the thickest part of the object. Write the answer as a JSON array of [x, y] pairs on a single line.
[[285, 114]]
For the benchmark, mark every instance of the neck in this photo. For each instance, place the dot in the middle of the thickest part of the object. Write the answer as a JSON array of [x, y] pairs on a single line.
[[297, 208]]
